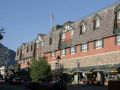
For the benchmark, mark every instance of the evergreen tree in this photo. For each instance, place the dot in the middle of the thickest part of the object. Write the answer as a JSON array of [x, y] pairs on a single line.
[[40, 70]]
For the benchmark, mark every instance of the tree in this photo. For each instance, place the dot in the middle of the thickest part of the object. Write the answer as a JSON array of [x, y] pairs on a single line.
[[40, 70]]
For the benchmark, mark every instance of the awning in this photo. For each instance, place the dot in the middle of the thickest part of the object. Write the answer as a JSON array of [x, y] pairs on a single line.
[[102, 68], [77, 70]]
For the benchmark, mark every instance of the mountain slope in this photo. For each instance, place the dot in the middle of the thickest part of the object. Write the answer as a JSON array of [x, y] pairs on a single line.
[[7, 56]]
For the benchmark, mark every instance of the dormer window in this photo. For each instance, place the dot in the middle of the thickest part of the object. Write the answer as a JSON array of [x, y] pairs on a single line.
[[31, 47], [117, 19], [17, 52], [27, 48], [42, 43], [96, 22], [118, 15], [67, 27], [50, 40], [63, 36], [71, 33], [82, 28]]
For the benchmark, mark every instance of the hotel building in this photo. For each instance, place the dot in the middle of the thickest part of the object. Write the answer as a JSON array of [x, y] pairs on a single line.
[[89, 44]]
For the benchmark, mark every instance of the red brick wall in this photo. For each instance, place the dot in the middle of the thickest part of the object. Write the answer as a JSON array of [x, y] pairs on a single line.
[[67, 36], [109, 46]]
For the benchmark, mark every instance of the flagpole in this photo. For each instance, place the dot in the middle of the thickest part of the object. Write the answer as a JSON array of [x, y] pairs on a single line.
[[52, 19]]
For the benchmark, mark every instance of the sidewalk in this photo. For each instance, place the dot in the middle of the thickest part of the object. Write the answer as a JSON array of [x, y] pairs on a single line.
[[78, 87]]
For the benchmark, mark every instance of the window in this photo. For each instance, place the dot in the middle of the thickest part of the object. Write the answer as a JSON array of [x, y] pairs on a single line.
[[96, 22], [31, 47], [99, 44], [37, 45], [63, 36], [118, 15], [50, 40], [84, 47], [42, 43], [67, 27], [53, 54], [71, 33], [17, 52], [63, 52], [82, 28], [118, 40], [72, 50], [27, 48]]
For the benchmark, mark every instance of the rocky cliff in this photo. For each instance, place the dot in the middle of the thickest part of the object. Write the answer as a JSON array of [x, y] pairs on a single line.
[[7, 56]]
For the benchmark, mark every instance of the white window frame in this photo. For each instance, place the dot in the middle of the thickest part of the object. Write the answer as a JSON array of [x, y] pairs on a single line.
[[84, 47], [71, 33], [99, 44], [53, 54], [83, 27], [42, 43], [63, 52], [73, 50], [118, 40], [63, 36], [97, 23], [37, 45], [67, 27], [118, 15]]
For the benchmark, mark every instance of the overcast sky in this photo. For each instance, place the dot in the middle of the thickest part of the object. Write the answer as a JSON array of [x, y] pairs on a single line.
[[24, 19]]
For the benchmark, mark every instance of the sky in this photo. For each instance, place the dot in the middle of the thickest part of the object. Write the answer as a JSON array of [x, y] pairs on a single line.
[[24, 19]]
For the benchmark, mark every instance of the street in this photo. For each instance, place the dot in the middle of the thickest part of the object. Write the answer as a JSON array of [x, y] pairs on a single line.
[[11, 87], [69, 87], [77, 87]]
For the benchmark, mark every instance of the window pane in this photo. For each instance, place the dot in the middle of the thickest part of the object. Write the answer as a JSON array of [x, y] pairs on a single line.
[[63, 52], [118, 39], [97, 23], [83, 28], [71, 33], [72, 50], [84, 47], [99, 44], [63, 36], [53, 54], [118, 15]]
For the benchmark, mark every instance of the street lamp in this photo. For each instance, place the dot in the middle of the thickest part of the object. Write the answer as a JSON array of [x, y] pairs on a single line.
[[78, 66], [28, 63], [58, 67]]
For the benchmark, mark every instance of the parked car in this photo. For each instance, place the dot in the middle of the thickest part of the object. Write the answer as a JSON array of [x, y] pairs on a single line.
[[2, 80], [18, 80]]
